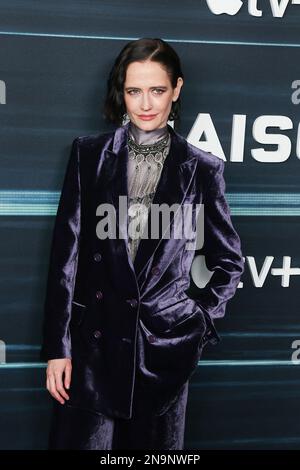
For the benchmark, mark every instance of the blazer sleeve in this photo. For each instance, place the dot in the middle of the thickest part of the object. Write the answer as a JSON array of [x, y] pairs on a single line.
[[222, 250], [63, 265]]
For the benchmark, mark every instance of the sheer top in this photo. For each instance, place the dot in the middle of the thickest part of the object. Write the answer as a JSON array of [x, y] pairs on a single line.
[[147, 153]]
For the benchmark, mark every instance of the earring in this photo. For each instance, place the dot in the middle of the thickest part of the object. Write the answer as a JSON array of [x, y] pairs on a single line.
[[125, 119]]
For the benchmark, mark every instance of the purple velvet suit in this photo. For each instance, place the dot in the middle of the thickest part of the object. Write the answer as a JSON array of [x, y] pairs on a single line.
[[114, 317]]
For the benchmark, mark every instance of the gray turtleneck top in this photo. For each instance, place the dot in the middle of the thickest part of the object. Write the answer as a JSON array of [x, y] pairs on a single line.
[[147, 153]]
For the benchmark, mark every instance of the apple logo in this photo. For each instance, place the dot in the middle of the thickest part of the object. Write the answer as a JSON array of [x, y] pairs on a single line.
[[230, 7], [200, 273]]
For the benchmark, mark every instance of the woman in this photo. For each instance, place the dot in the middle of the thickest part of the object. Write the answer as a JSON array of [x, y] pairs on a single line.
[[121, 336]]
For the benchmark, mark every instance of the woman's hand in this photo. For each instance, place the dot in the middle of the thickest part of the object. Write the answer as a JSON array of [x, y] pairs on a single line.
[[55, 370]]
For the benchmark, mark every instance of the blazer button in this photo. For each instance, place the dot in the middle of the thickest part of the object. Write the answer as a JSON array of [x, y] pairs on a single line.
[[151, 338], [97, 334], [99, 294], [133, 302], [155, 270], [97, 257]]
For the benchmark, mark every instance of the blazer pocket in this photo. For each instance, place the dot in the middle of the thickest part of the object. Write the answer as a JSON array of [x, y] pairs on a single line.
[[174, 301], [78, 312], [181, 321]]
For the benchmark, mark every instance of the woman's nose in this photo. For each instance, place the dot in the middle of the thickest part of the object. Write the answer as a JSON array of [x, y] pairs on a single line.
[[146, 102]]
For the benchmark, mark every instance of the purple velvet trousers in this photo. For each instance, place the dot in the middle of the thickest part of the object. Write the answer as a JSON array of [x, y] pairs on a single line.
[[74, 428]]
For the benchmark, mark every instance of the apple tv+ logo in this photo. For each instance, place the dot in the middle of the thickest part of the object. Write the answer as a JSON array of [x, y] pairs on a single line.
[[232, 7]]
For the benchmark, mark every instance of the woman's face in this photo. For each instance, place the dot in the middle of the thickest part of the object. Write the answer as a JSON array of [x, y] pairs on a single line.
[[148, 92]]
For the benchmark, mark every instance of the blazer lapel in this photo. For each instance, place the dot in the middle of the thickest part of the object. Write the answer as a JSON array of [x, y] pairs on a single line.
[[173, 185]]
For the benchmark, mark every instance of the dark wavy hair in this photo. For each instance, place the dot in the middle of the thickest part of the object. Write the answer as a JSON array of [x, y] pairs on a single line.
[[154, 49]]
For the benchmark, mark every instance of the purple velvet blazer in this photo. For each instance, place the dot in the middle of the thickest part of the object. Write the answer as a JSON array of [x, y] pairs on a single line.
[[123, 323]]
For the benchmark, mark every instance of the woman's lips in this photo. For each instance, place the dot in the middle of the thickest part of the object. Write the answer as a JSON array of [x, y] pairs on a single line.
[[147, 117]]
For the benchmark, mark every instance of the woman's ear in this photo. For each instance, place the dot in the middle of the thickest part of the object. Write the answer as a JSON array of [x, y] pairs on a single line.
[[177, 88]]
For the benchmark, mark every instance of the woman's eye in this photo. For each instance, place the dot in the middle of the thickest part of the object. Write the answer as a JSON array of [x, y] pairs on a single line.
[[157, 91]]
